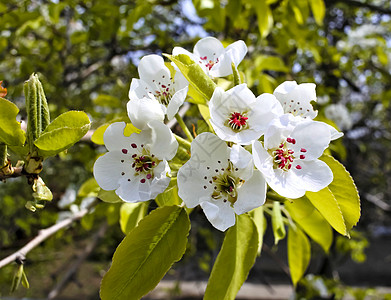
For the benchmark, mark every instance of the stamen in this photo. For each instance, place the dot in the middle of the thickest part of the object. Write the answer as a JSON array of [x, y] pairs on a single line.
[[124, 151], [237, 121], [298, 167], [133, 145]]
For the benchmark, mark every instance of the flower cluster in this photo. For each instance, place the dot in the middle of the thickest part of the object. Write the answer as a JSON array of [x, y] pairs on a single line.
[[270, 139]]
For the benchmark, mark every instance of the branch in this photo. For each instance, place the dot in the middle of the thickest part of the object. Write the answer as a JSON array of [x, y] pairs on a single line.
[[76, 265], [43, 235], [11, 172]]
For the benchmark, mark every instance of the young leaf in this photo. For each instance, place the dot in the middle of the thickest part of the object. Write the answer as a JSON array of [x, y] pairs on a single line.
[[194, 74], [299, 253], [344, 191], [109, 196], [236, 257], [146, 254], [131, 214], [311, 221], [10, 131], [260, 223], [277, 223], [17, 278], [318, 10], [327, 205], [97, 136], [62, 133], [265, 17]]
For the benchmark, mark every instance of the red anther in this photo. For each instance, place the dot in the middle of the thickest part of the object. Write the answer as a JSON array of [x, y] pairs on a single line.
[[290, 158], [291, 151], [133, 165], [303, 150], [204, 58], [282, 145], [290, 166], [153, 163], [149, 176], [142, 180], [302, 156], [298, 167], [133, 145], [145, 166], [163, 86], [289, 140], [124, 151], [231, 189], [142, 157], [134, 155]]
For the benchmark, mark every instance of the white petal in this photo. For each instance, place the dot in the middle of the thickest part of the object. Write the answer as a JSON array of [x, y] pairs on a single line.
[[296, 99], [163, 145], [262, 159], [220, 214], [313, 136], [207, 150], [152, 70], [335, 134], [278, 130], [128, 191], [160, 181], [175, 103], [234, 53], [286, 184], [240, 157], [191, 182], [313, 175], [108, 169], [139, 89], [251, 194], [114, 137], [210, 47], [264, 110], [141, 111]]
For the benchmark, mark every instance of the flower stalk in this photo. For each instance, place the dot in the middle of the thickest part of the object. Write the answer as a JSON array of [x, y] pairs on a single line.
[[184, 127]]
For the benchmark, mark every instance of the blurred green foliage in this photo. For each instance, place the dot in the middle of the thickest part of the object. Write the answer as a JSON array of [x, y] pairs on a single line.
[[86, 53]]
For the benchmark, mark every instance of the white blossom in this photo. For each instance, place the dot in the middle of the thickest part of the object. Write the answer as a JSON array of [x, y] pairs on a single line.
[[157, 85], [220, 179], [136, 166], [213, 58], [296, 100], [288, 157], [240, 117]]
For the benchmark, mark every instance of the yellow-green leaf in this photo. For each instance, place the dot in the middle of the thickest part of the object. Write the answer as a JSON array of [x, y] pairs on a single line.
[[62, 133], [299, 253], [236, 257], [344, 191], [10, 131], [146, 254], [261, 224], [311, 221], [265, 17], [327, 205], [277, 223], [194, 74], [131, 214], [318, 10]]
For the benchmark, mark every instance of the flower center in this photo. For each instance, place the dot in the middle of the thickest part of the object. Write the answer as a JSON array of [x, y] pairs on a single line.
[[237, 121], [164, 91], [208, 63], [283, 156], [226, 185], [143, 163]]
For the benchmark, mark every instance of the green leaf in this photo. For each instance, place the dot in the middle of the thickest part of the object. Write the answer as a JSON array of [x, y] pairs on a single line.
[[194, 74], [277, 223], [109, 196], [131, 214], [261, 224], [268, 62], [327, 205], [89, 188], [236, 257], [344, 191], [318, 10], [170, 195], [265, 17], [10, 131], [17, 278], [205, 113], [62, 133], [107, 101], [146, 254], [299, 253], [311, 221]]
